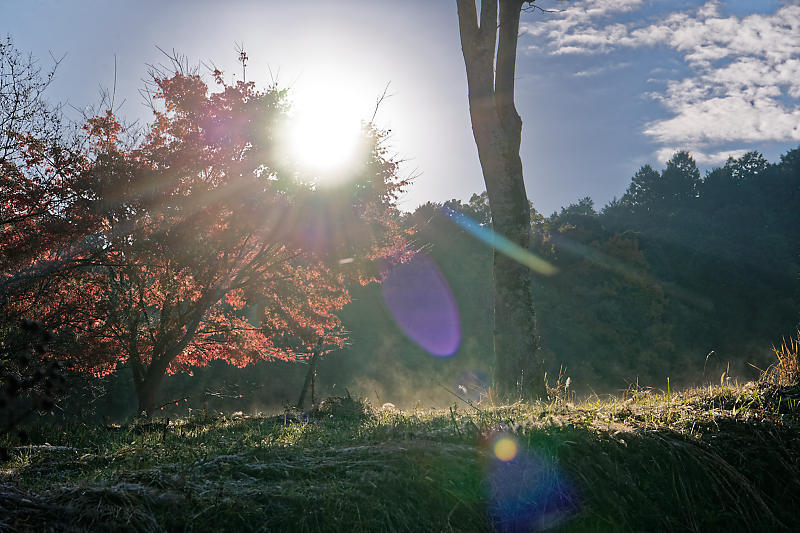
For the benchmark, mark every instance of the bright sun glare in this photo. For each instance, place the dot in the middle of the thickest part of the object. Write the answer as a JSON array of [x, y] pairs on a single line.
[[325, 127]]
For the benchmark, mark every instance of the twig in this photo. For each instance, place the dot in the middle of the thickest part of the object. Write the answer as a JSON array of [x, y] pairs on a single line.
[[531, 7], [468, 402], [174, 401], [380, 100]]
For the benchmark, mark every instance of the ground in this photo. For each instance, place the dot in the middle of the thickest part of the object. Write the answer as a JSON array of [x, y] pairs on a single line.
[[701, 460]]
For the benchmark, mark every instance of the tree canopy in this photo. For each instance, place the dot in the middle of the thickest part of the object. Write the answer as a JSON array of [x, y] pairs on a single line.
[[198, 241]]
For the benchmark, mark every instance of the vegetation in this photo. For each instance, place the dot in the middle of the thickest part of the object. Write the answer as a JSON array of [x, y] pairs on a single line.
[[724, 456], [196, 241], [638, 298], [489, 47], [675, 279]]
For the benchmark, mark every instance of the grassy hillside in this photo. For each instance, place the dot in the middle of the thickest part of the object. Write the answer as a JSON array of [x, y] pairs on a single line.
[[702, 460]]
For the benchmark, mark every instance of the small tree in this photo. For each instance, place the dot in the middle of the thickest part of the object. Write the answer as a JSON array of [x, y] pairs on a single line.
[[208, 246]]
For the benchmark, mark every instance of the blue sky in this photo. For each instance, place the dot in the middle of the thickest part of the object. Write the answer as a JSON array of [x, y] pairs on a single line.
[[604, 86]]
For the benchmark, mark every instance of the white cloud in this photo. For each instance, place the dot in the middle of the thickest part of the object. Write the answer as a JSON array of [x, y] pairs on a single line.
[[744, 81], [601, 69], [729, 118], [577, 14], [703, 158]]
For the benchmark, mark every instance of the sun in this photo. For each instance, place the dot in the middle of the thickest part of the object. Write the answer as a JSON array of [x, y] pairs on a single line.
[[325, 127]]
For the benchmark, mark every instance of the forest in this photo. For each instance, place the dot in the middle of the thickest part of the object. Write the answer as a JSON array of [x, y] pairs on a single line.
[[685, 277], [641, 295]]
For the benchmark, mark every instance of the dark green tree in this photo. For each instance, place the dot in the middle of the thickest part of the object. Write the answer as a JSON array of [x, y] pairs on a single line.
[[642, 193]]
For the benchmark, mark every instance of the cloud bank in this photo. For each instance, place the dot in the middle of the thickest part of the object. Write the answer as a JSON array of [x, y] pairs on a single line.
[[743, 84]]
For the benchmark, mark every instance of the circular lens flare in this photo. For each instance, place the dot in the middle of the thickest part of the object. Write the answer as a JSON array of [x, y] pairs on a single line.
[[422, 304], [526, 491], [505, 449]]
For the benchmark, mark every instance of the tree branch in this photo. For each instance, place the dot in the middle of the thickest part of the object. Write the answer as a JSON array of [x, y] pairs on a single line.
[[467, 20], [506, 67], [478, 46]]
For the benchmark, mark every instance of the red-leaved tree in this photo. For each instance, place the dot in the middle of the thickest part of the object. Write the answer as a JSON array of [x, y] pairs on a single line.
[[205, 244], [40, 165]]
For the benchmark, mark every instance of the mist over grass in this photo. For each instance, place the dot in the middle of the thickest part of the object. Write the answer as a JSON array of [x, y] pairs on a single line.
[[697, 460]]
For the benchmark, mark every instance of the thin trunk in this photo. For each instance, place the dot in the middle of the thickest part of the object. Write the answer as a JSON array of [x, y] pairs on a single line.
[[517, 371], [310, 378], [148, 381], [497, 128]]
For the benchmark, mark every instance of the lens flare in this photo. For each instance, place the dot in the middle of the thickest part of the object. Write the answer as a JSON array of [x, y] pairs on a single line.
[[502, 244], [505, 449], [422, 304], [527, 492]]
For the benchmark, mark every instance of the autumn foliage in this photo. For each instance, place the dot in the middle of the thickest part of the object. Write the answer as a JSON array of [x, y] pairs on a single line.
[[197, 240]]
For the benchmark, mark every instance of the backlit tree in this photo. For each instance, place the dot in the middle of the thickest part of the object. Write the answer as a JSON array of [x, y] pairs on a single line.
[[208, 246], [489, 46]]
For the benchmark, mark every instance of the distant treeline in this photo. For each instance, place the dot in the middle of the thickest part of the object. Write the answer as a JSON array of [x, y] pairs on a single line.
[[684, 277], [678, 268]]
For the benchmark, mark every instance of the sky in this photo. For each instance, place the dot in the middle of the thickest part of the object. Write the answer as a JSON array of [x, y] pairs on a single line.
[[603, 86]]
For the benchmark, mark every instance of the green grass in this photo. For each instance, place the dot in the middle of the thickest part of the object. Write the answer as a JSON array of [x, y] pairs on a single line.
[[725, 457]]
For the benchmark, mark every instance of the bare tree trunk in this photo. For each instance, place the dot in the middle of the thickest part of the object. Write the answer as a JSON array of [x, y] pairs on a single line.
[[310, 377], [497, 128]]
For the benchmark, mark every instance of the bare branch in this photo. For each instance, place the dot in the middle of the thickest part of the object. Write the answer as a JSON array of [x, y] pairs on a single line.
[[531, 7], [380, 100]]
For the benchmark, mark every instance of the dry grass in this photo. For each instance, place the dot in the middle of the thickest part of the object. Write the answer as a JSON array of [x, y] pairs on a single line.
[[713, 458], [786, 371]]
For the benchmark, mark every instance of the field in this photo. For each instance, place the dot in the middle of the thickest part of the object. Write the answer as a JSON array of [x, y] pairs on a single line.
[[716, 458]]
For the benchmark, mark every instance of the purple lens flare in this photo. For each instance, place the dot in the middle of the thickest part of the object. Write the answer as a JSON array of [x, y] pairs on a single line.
[[423, 305]]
